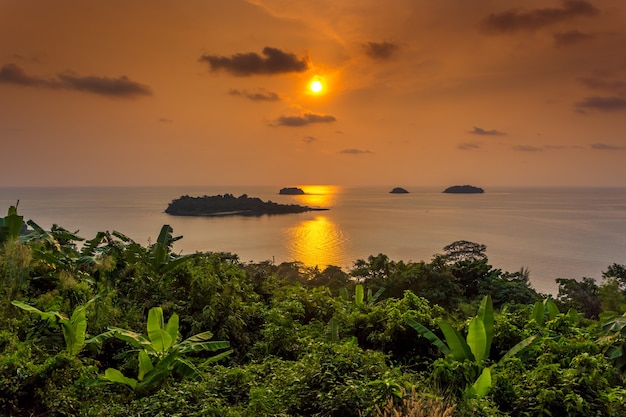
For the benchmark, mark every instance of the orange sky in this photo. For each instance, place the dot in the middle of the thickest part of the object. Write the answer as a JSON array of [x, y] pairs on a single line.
[[416, 92]]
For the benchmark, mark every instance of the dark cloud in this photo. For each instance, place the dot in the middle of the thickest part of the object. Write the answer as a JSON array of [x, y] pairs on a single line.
[[260, 95], [604, 104], [354, 151], [607, 147], [309, 139], [165, 120], [273, 61], [304, 120], [570, 38], [468, 146], [12, 74], [481, 131], [115, 87], [515, 20], [601, 84], [527, 148], [382, 50]]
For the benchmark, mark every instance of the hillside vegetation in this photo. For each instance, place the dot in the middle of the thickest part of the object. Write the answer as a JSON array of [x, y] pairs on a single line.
[[106, 326]]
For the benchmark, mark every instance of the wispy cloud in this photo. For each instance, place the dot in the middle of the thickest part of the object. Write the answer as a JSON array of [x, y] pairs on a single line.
[[272, 61], [354, 151], [468, 146], [572, 37], [309, 139], [165, 120], [607, 147], [527, 148], [304, 120], [380, 50], [604, 84], [515, 20], [485, 132], [603, 104], [105, 86], [259, 95]]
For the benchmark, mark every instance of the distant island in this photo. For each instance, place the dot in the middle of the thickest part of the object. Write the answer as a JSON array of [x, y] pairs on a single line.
[[291, 191], [398, 190], [464, 189], [229, 205]]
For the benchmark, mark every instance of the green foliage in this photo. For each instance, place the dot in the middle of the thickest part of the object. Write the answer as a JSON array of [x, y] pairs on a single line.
[[74, 328], [580, 295], [160, 352], [11, 225]]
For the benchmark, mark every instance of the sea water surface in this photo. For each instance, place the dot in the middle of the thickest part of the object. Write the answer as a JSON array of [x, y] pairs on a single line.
[[554, 232]]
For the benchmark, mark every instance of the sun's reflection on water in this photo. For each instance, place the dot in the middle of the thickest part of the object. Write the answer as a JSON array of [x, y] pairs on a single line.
[[317, 241], [318, 196]]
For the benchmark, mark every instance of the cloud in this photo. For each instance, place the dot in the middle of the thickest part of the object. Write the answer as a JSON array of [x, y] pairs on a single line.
[[607, 147], [304, 120], [309, 139], [594, 83], [12, 74], [468, 146], [515, 20], [260, 95], [563, 39], [604, 104], [481, 131], [165, 120], [274, 61], [354, 151], [381, 50], [527, 148], [116, 87]]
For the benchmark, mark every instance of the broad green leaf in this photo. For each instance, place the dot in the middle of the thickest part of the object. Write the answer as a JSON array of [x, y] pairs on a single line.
[[135, 339], [485, 313], [423, 331], [145, 364], [113, 375], [477, 339], [372, 300], [481, 387], [172, 328], [155, 329], [186, 368], [553, 310], [89, 249], [539, 313], [332, 331], [359, 294], [199, 343], [45, 315], [458, 347], [519, 348], [343, 293], [217, 357]]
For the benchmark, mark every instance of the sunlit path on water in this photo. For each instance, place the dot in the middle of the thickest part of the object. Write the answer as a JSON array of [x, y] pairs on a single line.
[[318, 241]]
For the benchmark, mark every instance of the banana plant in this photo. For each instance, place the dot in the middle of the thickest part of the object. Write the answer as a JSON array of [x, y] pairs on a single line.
[[160, 352], [359, 295], [74, 328], [475, 347]]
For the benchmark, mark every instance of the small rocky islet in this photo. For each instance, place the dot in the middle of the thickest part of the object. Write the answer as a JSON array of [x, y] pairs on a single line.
[[398, 190], [463, 189], [291, 191], [229, 205]]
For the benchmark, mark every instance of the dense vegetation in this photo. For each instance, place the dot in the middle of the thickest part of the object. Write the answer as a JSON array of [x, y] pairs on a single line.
[[109, 327], [228, 204]]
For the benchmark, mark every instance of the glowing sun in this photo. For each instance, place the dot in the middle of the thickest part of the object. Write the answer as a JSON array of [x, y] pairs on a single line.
[[316, 86]]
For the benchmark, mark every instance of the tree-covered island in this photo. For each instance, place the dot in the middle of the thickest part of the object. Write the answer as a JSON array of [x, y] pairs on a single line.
[[463, 189], [229, 205]]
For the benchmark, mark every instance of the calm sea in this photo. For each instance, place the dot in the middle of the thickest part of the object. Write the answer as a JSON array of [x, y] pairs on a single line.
[[554, 232]]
